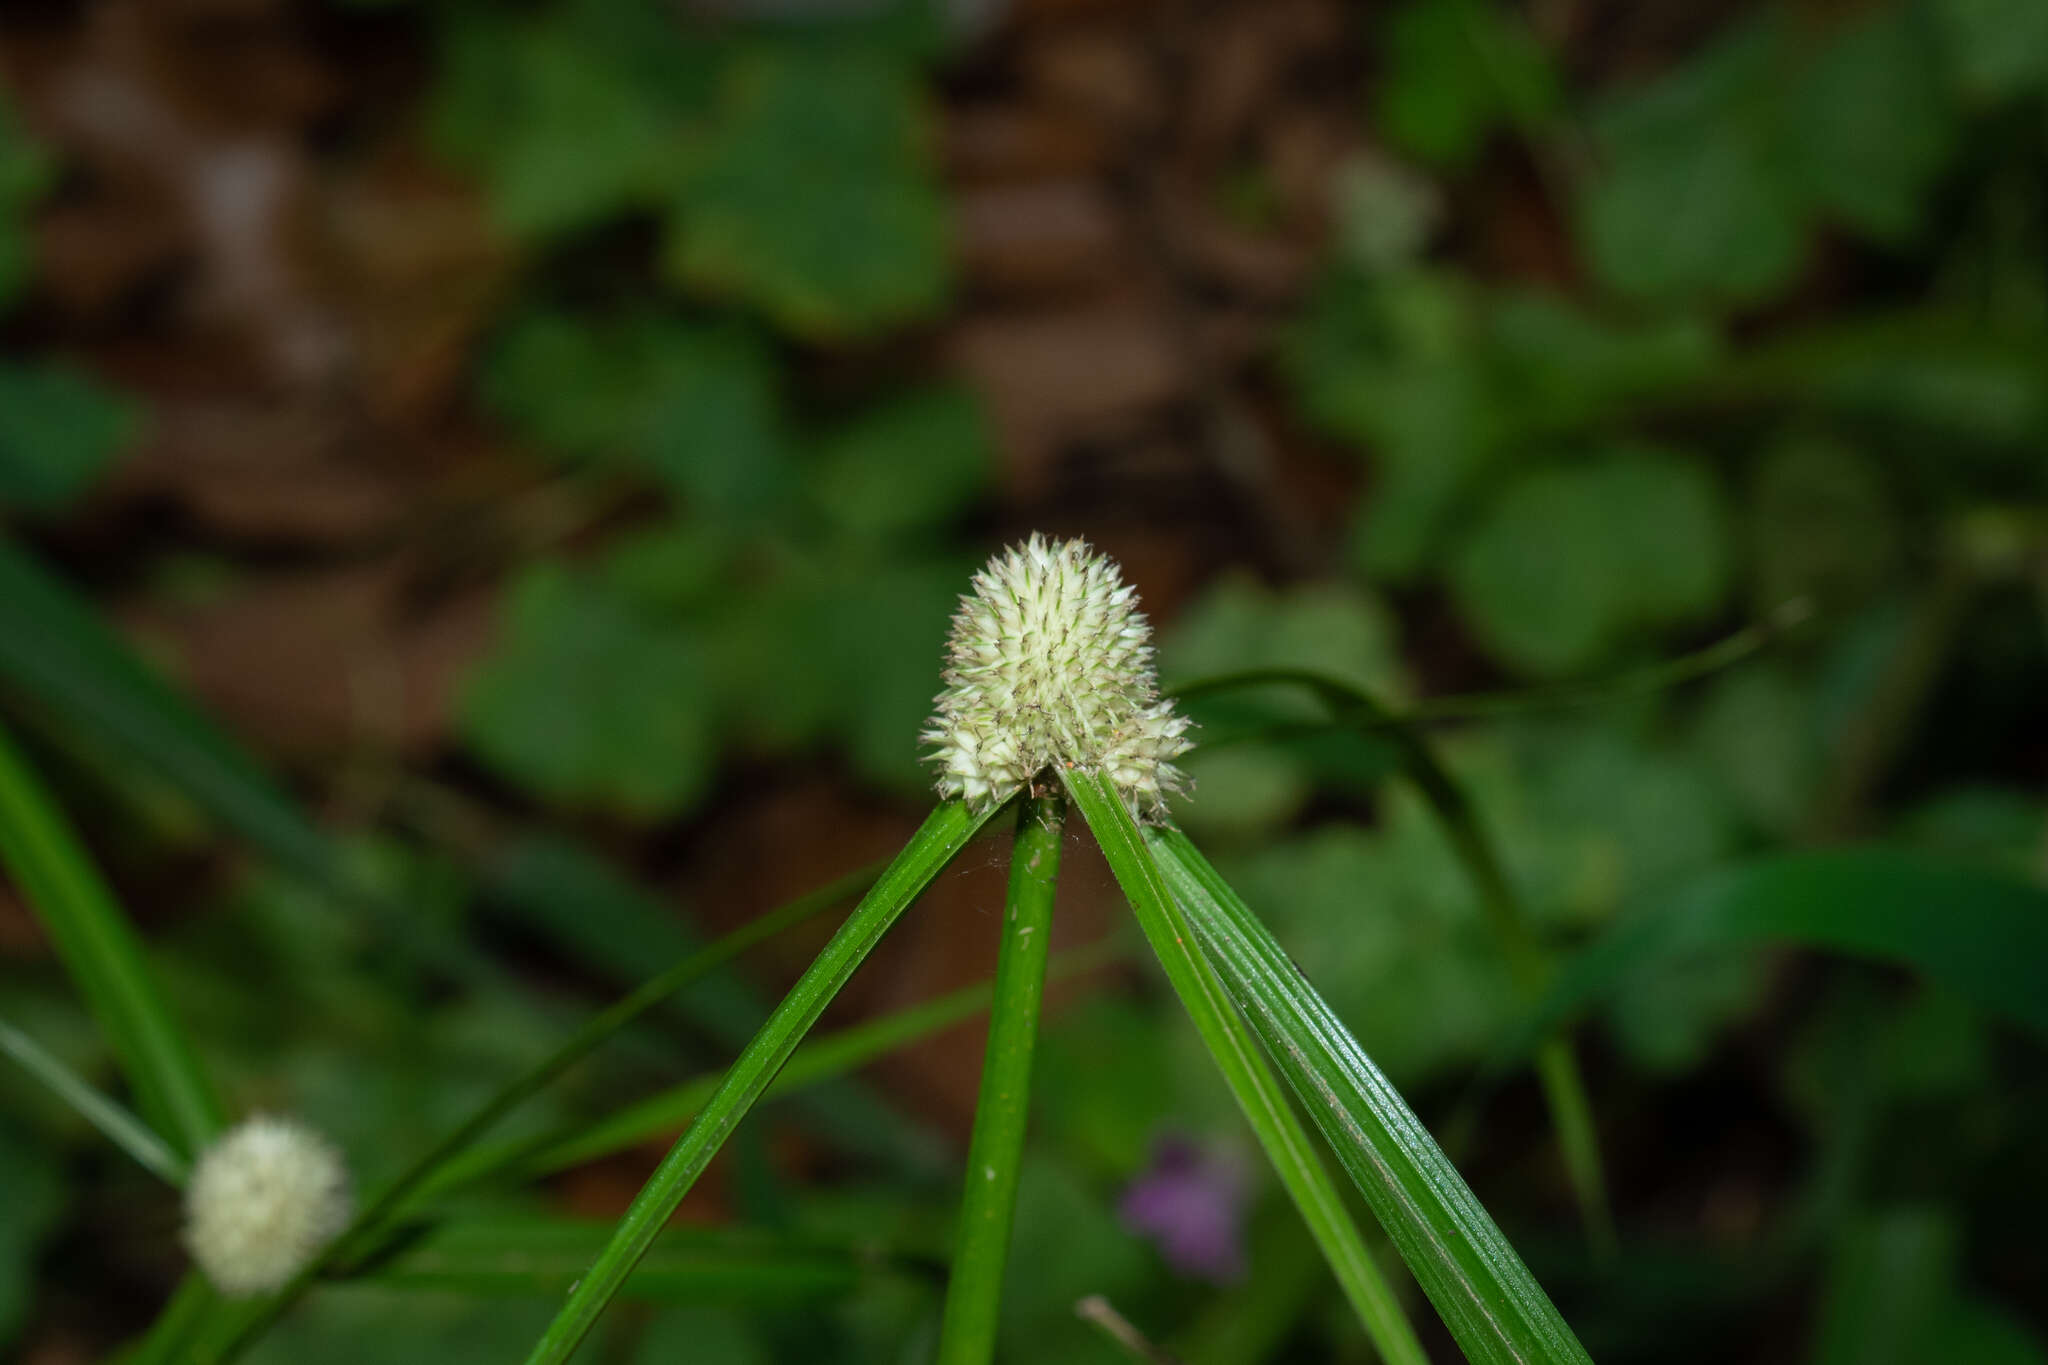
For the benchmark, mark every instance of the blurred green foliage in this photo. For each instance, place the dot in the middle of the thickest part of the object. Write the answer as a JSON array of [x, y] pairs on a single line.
[[25, 173], [1524, 457], [801, 583], [59, 429], [1797, 353]]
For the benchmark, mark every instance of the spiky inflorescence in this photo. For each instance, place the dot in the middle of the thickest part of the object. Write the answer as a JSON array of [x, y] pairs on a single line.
[[263, 1200], [1050, 666]]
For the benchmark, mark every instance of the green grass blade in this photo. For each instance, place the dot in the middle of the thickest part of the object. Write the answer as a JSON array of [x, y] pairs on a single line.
[[930, 849], [1641, 682], [995, 1152], [115, 1123], [1485, 1295], [589, 909], [100, 950], [819, 1059], [591, 913], [54, 648], [55, 651], [1557, 1067], [1251, 1081], [446, 1155], [1979, 933], [169, 1340], [444, 1163], [525, 1256]]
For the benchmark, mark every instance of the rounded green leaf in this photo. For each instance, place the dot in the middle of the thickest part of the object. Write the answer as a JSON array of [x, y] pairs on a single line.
[[809, 197], [1567, 561], [698, 408], [59, 430], [589, 702]]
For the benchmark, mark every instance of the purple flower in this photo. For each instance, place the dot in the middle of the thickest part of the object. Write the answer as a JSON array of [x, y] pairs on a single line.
[[1191, 1203]]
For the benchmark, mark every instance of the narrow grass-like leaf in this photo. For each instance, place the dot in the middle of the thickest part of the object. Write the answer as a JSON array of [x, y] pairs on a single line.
[[590, 909], [1557, 1067], [115, 1123], [448, 1161], [944, 834], [530, 1256], [1649, 680], [988, 1202], [54, 648], [1252, 1083], [1485, 1295], [1979, 933], [55, 651], [170, 1338], [100, 950], [446, 1154], [819, 1059], [595, 915]]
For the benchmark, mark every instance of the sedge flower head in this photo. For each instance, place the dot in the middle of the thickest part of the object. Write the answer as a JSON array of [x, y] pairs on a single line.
[[1050, 666], [263, 1200]]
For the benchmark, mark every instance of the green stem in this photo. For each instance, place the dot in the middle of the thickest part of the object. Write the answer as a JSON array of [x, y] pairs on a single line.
[[364, 1233], [120, 1127], [996, 1150], [101, 951], [931, 848], [1557, 1069], [1257, 1091]]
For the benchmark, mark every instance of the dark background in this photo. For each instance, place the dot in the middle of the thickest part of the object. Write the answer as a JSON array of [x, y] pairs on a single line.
[[551, 437]]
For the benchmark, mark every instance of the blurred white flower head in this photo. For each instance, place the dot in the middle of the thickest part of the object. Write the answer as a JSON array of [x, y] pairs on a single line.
[[1050, 666], [263, 1200]]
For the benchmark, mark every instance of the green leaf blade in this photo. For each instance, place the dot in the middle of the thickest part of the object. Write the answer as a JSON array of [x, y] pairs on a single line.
[[1251, 1081], [519, 1256], [54, 648], [1486, 1296], [115, 1123], [104, 957], [1982, 935], [943, 835]]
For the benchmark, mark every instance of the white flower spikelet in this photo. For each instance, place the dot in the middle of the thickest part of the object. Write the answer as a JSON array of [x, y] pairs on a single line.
[[1050, 666], [263, 1200]]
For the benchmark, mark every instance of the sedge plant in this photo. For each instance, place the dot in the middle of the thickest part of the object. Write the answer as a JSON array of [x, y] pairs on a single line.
[[1051, 701], [1050, 704]]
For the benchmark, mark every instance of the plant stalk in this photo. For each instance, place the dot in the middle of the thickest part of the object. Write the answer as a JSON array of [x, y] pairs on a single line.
[[988, 1201]]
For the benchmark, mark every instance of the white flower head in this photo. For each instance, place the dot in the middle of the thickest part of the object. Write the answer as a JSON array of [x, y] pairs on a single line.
[[263, 1200], [1050, 666]]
